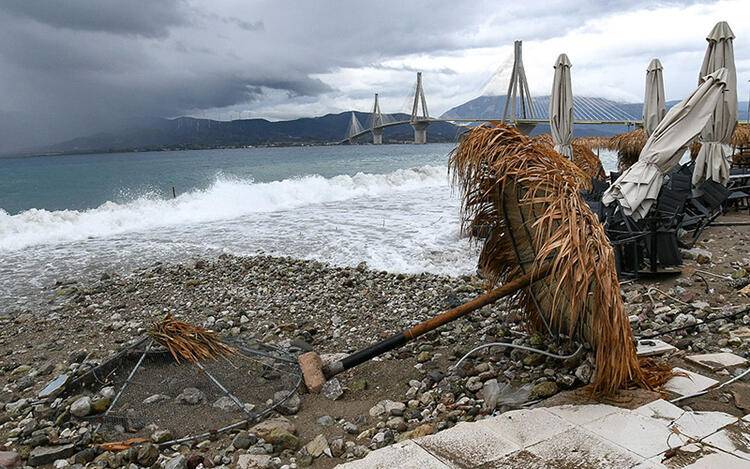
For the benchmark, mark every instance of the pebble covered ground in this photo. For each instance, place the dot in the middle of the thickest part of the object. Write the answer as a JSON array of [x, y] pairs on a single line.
[[303, 305]]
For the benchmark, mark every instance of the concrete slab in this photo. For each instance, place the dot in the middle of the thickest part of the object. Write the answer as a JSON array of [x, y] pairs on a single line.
[[692, 383], [652, 347], [717, 361], [719, 459], [642, 435], [696, 425], [526, 427], [467, 445], [734, 439], [406, 455], [583, 414], [580, 448]]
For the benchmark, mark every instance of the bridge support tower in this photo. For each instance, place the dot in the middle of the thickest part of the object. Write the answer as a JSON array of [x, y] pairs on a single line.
[[419, 120]]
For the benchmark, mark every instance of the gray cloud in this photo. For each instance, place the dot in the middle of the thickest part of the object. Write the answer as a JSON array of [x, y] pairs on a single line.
[[81, 66]]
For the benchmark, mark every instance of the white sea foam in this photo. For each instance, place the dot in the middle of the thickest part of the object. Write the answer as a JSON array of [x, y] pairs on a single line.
[[225, 199]]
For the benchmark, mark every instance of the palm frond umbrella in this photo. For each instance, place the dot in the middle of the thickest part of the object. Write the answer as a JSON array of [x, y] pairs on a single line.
[[714, 157], [628, 146], [529, 196], [654, 106], [561, 108], [583, 156], [637, 188]]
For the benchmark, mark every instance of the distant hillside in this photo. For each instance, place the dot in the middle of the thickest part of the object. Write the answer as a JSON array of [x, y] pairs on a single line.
[[191, 133]]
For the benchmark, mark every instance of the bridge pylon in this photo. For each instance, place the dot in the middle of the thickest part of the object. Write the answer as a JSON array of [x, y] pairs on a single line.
[[376, 123], [419, 120], [518, 90]]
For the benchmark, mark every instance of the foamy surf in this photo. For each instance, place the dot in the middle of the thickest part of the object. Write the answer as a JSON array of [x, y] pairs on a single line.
[[225, 199]]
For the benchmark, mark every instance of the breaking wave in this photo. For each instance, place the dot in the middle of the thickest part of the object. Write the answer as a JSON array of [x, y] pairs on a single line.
[[224, 199]]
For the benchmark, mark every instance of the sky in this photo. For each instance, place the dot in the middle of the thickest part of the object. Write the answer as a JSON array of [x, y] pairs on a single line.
[[79, 67]]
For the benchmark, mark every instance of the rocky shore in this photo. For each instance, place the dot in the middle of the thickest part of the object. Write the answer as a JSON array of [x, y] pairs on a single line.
[[303, 305]]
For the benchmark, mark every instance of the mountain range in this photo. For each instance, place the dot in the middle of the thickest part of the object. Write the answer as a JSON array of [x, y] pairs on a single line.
[[191, 133]]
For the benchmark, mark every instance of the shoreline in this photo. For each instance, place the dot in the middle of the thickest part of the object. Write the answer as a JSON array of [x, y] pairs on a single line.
[[309, 304]]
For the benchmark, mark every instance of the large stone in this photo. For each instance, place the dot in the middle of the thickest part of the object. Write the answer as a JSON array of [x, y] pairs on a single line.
[[148, 454], [282, 439], [190, 396], [100, 405], [85, 456], [225, 403], [177, 462], [81, 407], [264, 428], [54, 387], [291, 403], [253, 461], [161, 436], [42, 455], [544, 389], [244, 440], [332, 389], [318, 446], [490, 394], [9, 460], [394, 408]]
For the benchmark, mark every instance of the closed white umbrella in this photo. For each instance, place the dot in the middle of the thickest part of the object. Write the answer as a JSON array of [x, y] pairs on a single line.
[[715, 156], [637, 188], [561, 108], [654, 108]]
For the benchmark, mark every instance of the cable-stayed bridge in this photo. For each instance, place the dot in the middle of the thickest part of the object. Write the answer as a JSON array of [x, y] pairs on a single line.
[[519, 108]]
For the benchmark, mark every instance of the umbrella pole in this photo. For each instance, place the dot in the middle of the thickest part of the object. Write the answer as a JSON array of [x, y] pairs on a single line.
[[398, 340]]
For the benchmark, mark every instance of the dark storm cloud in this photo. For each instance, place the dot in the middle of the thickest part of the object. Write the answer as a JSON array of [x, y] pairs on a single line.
[[149, 18], [77, 67]]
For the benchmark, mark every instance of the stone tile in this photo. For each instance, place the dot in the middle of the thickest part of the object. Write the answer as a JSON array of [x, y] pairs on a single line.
[[406, 455], [526, 427], [717, 361], [580, 448], [648, 464], [642, 435], [661, 410], [467, 445], [583, 414], [519, 459], [692, 383], [651, 347], [734, 439], [696, 425]]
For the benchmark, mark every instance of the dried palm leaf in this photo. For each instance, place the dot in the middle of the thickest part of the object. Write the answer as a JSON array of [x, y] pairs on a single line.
[[188, 342], [628, 146], [529, 196], [741, 135], [583, 157]]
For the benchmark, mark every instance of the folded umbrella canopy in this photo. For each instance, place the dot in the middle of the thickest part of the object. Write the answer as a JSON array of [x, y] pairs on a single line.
[[637, 188], [715, 155], [654, 108], [561, 108]]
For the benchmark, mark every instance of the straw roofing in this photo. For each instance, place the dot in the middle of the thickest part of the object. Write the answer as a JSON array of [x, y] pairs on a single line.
[[583, 157], [628, 146], [529, 195], [741, 135]]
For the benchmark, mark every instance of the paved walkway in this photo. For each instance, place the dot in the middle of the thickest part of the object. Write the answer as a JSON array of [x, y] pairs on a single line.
[[656, 435]]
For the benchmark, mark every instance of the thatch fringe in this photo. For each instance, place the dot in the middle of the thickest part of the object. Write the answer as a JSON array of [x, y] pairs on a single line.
[[529, 197], [741, 136], [188, 342], [628, 146], [583, 157]]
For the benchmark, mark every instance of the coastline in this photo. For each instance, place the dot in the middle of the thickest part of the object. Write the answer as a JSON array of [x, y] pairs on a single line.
[[309, 304]]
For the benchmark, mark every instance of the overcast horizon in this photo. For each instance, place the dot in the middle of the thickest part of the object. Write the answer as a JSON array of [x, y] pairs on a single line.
[[86, 67]]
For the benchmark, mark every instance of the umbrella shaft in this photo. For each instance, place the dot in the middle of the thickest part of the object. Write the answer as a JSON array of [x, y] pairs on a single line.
[[402, 338]]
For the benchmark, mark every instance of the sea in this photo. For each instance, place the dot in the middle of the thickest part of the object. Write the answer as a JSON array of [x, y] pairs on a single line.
[[74, 217]]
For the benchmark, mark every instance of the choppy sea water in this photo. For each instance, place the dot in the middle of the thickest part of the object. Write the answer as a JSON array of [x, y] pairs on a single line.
[[74, 217]]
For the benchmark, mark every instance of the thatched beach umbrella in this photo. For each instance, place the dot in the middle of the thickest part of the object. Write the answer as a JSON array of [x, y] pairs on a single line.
[[637, 188], [583, 156], [714, 157], [628, 146], [654, 107], [561, 107], [529, 196]]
